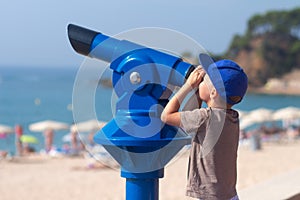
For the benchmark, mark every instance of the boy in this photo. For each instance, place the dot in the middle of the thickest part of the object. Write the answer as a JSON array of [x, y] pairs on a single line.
[[212, 161]]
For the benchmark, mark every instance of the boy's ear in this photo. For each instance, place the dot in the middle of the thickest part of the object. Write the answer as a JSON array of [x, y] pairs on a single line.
[[213, 93]]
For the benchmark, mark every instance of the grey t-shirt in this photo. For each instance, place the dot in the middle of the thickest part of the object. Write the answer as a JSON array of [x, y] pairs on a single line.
[[212, 169]]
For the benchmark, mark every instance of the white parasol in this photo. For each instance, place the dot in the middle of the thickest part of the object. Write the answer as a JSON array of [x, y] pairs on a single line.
[[246, 122], [6, 129], [286, 113], [256, 116], [88, 126], [242, 113], [260, 115], [48, 124]]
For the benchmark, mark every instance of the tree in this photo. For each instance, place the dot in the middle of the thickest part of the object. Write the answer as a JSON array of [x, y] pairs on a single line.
[[274, 36]]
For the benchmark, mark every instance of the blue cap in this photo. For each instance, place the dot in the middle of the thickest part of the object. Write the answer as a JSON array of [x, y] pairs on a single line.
[[228, 78]]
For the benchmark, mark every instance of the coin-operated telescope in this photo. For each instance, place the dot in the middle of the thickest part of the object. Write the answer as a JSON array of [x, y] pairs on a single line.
[[136, 137]]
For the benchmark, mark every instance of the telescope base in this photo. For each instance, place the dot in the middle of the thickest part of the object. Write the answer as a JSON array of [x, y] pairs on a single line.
[[142, 189]]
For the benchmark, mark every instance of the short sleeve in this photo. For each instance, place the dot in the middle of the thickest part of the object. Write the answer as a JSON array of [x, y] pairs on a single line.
[[191, 121]]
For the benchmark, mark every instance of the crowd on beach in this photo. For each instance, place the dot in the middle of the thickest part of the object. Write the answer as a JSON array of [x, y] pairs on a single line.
[[267, 131], [289, 131], [74, 145], [24, 148]]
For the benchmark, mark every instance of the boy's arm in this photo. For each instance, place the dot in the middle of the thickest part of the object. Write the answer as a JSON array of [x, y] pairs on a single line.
[[193, 102], [170, 114]]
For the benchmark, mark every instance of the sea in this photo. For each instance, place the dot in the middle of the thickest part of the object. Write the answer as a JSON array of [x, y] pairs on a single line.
[[33, 94]]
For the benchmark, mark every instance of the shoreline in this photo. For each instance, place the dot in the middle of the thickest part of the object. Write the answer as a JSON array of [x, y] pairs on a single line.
[[264, 91]]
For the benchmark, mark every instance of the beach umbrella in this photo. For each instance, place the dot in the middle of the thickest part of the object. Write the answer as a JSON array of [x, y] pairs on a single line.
[[6, 129], [247, 122], [256, 116], [286, 113], [88, 126], [29, 139], [260, 115], [242, 113], [48, 124]]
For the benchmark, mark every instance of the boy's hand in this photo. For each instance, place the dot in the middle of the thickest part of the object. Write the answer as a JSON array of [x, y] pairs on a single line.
[[196, 77], [170, 114]]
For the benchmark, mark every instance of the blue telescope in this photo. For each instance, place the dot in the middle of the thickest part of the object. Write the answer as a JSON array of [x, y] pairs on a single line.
[[136, 137]]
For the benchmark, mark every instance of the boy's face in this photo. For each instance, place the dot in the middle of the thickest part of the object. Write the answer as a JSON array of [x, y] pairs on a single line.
[[205, 88]]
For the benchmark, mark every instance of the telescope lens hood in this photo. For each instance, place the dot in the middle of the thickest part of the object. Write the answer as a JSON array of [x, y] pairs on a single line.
[[81, 38]]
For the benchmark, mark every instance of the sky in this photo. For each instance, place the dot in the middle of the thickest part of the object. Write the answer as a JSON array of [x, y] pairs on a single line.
[[33, 32]]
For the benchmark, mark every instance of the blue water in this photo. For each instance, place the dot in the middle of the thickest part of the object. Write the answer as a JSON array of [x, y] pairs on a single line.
[[29, 95]]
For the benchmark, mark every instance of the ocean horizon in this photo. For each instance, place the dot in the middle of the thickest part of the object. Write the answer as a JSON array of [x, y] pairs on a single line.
[[31, 94]]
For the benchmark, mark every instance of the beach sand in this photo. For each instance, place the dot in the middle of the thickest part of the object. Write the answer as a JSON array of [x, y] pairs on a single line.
[[37, 177]]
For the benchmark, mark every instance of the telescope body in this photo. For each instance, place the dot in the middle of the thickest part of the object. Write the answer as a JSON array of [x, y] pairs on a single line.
[[97, 45], [136, 137]]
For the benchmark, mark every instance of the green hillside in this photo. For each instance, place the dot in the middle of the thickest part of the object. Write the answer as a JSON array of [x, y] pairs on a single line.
[[270, 46]]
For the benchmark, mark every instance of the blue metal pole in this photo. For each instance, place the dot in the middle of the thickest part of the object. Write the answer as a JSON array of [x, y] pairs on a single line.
[[142, 189], [142, 186]]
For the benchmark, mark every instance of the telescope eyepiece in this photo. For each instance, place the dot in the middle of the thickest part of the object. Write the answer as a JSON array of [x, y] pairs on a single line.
[[81, 39]]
